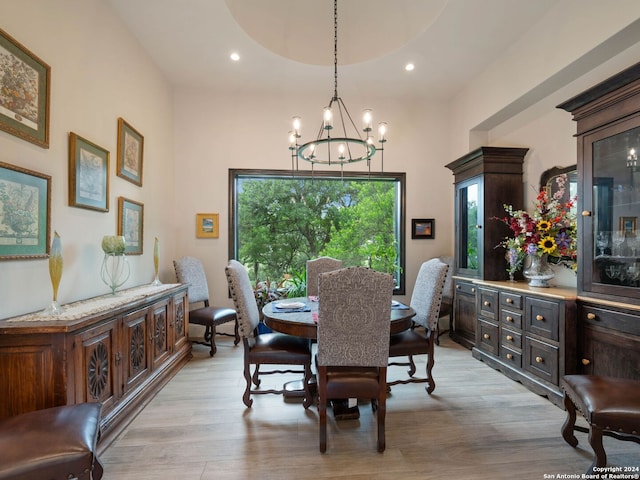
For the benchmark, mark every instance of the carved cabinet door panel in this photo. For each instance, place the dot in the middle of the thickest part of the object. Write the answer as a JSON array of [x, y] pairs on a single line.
[[135, 351], [159, 333], [180, 321], [97, 363]]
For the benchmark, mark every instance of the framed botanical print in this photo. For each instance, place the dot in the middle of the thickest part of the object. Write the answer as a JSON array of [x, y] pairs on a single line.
[[130, 153], [88, 174], [207, 225], [25, 212], [25, 82], [130, 225]]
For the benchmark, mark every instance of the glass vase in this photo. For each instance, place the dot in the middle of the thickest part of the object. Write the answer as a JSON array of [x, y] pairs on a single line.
[[156, 265], [538, 271], [115, 271], [55, 273]]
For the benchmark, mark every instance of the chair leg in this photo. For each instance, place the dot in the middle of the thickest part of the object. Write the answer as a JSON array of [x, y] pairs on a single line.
[[430, 361], [412, 366], [569, 423], [256, 375], [595, 440], [322, 411], [235, 332], [308, 398], [214, 349], [246, 398], [382, 411]]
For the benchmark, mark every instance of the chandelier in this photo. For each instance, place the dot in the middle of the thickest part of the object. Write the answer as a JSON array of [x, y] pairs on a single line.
[[338, 141]]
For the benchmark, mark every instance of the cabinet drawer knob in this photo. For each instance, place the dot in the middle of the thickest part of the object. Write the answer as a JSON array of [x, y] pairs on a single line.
[[487, 303], [486, 336], [510, 338], [478, 227], [509, 318], [586, 213], [458, 287], [539, 360], [509, 300], [473, 290], [510, 356], [586, 361], [539, 318], [591, 316]]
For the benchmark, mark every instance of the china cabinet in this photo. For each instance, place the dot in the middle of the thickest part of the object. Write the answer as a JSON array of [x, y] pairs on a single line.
[[485, 179], [608, 145], [116, 350]]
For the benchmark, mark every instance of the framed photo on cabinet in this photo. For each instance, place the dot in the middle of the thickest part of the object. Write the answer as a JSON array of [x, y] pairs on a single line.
[[25, 213], [25, 82], [424, 228], [130, 153], [88, 174], [207, 225], [130, 224]]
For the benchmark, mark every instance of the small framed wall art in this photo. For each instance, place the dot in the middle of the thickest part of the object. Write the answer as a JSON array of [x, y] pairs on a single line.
[[207, 225], [130, 153], [25, 82], [25, 213], [130, 224], [423, 228], [88, 174], [629, 226]]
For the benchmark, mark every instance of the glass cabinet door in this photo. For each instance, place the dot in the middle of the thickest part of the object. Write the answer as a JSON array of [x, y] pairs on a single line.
[[468, 228], [613, 172]]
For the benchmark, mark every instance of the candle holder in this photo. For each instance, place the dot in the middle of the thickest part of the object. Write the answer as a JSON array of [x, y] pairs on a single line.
[[115, 269], [55, 272]]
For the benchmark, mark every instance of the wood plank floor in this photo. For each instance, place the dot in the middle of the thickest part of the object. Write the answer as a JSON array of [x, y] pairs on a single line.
[[478, 424]]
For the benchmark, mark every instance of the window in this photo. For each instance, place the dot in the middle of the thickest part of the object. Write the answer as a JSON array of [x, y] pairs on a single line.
[[278, 220]]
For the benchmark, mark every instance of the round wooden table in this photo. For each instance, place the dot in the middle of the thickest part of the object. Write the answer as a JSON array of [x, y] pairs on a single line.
[[301, 323]]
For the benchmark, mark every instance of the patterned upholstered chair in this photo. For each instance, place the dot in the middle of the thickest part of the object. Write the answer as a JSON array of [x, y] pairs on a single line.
[[190, 270], [317, 266], [264, 348], [425, 300], [353, 341], [446, 306]]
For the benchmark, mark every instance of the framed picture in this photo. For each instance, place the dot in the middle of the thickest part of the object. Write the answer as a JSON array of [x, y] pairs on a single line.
[[25, 212], [25, 82], [207, 225], [130, 151], [88, 174], [423, 228], [629, 226], [130, 224]]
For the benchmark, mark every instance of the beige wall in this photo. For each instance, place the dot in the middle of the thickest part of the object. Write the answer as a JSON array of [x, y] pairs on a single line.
[[193, 137], [98, 73]]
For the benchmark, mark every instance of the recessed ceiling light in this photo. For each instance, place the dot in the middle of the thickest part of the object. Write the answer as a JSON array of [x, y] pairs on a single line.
[[409, 66], [235, 57]]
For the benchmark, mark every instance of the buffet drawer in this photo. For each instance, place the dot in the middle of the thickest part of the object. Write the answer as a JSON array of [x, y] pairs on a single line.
[[488, 337], [541, 359], [542, 317]]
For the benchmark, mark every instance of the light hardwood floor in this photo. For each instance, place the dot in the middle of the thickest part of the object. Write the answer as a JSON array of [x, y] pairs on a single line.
[[477, 424]]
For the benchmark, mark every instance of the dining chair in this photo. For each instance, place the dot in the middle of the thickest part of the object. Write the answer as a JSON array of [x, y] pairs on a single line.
[[354, 314], [264, 348], [190, 270], [420, 339], [446, 306], [317, 266]]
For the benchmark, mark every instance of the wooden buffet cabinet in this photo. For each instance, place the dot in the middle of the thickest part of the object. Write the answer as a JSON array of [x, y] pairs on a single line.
[[116, 350]]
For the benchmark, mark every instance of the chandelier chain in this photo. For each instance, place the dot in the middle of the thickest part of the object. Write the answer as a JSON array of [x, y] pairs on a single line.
[[335, 49]]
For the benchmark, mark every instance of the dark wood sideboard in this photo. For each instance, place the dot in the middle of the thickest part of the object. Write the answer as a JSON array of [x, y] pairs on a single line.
[[118, 351]]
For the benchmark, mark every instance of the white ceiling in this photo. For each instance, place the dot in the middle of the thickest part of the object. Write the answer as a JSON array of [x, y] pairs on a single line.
[[287, 45]]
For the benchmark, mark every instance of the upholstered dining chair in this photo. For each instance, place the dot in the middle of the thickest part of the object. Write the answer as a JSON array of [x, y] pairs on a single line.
[[353, 341], [446, 306], [420, 339], [317, 266], [264, 348], [190, 270]]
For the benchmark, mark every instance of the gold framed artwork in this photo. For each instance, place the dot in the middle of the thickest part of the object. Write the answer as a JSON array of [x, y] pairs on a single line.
[[629, 226], [25, 82], [88, 174], [207, 225], [130, 153], [131, 225]]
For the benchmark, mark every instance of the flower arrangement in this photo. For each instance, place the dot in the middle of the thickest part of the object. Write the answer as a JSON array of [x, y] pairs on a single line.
[[549, 230]]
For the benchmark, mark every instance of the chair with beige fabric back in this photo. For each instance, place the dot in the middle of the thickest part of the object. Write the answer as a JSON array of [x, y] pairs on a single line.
[[264, 348], [425, 300], [353, 341], [190, 270], [446, 306], [317, 266]]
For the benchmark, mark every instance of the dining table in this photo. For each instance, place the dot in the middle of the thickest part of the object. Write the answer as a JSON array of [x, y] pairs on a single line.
[[298, 316]]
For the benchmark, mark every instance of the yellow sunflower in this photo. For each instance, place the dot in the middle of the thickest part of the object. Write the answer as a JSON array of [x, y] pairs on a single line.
[[544, 225], [547, 244]]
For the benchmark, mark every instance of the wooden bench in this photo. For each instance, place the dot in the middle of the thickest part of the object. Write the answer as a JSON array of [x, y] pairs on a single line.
[[611, 407], [56, 443]]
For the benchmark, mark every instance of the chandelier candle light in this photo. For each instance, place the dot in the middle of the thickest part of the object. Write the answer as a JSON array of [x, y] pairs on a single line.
[[346, 145]]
